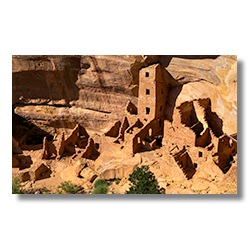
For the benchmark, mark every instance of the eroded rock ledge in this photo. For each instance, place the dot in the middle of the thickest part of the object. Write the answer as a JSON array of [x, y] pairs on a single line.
[[104, 84]]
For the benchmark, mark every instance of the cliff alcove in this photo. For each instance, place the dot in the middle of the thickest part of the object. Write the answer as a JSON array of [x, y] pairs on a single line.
[[83, 118]]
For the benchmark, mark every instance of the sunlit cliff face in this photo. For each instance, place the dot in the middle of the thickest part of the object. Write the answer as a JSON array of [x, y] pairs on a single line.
[[96, 88]]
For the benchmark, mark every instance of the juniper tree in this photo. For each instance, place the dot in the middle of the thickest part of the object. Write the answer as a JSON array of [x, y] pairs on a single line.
[[143, 182]]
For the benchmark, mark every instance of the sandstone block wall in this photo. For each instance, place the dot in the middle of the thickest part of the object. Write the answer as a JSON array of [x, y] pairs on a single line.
[[153, 93]]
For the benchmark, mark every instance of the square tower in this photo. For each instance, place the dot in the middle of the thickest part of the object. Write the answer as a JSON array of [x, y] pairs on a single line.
[[153, 92]]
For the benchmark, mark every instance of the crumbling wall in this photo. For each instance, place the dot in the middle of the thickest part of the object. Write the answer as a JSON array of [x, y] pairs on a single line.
[[90, 151], [15, 147], [176, 136], [137, 125], [77, 132], [124, 126], [39, 172], [197, 115], [129, 135], [200, 106], [49, 149], [147, 133], [18, 159], [204, 139], [184, 161], [78, 136], [60, 146], [114, 130], [214, 122], [227, 148], [188, 114], [212, 119], [131, 108]]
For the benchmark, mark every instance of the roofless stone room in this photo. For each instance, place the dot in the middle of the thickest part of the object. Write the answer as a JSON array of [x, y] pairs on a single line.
[[127, 124]]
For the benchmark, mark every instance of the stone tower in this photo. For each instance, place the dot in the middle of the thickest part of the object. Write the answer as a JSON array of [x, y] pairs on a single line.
[[153, 92]]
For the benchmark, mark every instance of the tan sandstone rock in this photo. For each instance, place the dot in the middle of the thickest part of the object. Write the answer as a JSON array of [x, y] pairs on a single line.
[[99, 87]]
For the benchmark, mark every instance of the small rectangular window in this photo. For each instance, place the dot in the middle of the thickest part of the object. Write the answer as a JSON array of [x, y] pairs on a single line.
[[147, 74], [147, 110], [147, 92], [162, 91], [160, 108]]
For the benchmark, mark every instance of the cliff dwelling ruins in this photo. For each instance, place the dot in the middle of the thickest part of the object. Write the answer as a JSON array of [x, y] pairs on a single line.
[[104, 129]]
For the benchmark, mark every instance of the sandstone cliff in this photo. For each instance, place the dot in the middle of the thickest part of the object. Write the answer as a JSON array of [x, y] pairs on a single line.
[[81, 118], [213, 77], [62, 91]]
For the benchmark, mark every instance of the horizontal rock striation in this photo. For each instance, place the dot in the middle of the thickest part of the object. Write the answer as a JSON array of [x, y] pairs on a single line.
[[62, 91]]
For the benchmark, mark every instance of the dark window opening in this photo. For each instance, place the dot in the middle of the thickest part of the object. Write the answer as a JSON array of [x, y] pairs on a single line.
[[160, 108], [195, 165], [159, 141], [200, 154], [162, 91], [147, 74], [160, 123], [147, 110], [147, 92]]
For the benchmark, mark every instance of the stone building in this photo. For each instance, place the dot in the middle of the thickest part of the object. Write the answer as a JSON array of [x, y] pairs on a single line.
[[146, 130], [153, 92], [152, 99], [192, 135]]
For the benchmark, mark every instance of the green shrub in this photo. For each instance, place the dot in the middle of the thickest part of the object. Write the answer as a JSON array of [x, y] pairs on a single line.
[[117, 181], [100, 187], [16, 186], [18, 189], [67, 187], [100, 182], [143, 182]]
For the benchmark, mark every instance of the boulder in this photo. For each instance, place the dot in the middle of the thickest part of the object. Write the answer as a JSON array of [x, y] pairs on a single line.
[[117, 172], [88, 174], [118, 168], [75, 171], [71, 173]]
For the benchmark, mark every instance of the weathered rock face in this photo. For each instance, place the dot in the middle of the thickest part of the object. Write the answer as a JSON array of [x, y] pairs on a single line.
[[45, 79], [91, 90], [94, 90], [213, 77]]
